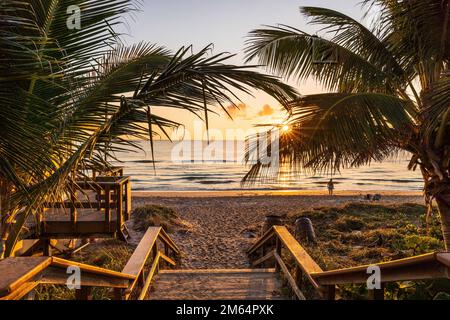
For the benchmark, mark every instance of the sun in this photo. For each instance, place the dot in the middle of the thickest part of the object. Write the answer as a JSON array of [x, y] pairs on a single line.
[[286, 129]]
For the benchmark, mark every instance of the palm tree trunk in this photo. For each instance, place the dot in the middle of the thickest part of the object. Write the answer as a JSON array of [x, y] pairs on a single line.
[[443, 202]]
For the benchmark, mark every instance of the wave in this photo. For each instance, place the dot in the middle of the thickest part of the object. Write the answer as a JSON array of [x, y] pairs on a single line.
[[217, 181]]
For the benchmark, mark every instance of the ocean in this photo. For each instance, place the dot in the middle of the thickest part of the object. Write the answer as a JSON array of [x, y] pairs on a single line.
[[224, 170]]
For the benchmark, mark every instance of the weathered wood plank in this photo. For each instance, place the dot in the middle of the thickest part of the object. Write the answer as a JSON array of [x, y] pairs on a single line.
[[142, 252], [216, 285], [17, 271], [58, 276], [301, 257], [21, 292], [261, 242], [24, 246], [289, 277], [66, 230], [218, 271], [57, 262], [444, 258], [150, 276], [428, 266], [167, 259], [167, 240], [267, 257], [128, 200]]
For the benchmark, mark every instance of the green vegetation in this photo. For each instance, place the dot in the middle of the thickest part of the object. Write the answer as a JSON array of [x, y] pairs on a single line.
[[388, 84], [360, 234], [152, 215], [110, 254], [69, 96], [113, 254]]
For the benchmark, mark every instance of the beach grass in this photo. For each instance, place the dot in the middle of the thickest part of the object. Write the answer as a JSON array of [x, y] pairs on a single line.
[[352, 234], [365, 233], [108, 254]]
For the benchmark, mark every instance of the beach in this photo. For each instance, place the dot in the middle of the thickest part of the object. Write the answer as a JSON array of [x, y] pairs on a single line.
[[221, 226]]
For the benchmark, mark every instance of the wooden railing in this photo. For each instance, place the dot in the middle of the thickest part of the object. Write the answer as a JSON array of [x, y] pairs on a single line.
[[110, 194], [19, 276], [147, 248], [94, 172], [269, 249]]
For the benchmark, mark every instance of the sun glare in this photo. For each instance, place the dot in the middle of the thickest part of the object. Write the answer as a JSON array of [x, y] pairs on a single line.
[[286, 129]]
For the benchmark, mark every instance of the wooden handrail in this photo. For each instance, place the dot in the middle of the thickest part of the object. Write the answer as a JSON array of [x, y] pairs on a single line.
[[108, 171], [111, 193], [169, 242], [270, 234], [428, 266], [283, 238], [289, 277], [149, 279], [23, 274], [138, 260]]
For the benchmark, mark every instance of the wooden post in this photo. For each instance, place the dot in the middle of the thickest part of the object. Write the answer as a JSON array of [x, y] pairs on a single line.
[[270, 221], [73, 209], [330, 292], [142, 277], [263, 253], [155, 253], [85, 293], [100, 193], [118, 294], [167, 253], [119, 207], [128, 200], [47, 250], [278, 251], [377, 294], [299, 276], [108, 207]]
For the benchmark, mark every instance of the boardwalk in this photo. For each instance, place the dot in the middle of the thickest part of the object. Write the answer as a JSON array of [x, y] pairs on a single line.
[[220, 284]]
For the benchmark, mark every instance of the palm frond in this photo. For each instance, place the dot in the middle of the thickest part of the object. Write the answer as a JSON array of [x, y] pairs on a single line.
[[336, 130], [295, 54]]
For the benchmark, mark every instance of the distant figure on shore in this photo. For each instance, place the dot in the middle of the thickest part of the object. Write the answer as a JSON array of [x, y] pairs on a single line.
[[330, 187]]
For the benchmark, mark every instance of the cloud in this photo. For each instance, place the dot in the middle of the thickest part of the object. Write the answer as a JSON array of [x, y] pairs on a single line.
[[239, 111], [266, 110]]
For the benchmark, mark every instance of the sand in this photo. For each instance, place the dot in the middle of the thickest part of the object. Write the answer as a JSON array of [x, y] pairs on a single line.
[[223, 225]]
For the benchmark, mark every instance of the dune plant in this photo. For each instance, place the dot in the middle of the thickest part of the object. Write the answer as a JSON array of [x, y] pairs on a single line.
[[388, 86]]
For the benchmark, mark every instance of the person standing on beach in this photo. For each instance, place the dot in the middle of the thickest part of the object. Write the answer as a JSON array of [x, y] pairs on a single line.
[[330, 187]]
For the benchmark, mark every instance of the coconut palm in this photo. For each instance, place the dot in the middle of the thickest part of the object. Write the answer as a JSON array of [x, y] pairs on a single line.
[[388, 89], [69, 96]]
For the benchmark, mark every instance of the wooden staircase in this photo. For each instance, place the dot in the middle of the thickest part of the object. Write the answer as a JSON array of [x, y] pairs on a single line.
[[150, 273], [223, 284]]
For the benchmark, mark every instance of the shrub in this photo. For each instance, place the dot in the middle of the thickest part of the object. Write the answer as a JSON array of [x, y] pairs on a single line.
[[419, 244], [154, 216], [108, 255], [349, 223], [365, 233]]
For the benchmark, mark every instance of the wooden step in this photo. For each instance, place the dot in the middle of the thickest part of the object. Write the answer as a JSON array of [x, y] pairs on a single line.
[[228, 284]]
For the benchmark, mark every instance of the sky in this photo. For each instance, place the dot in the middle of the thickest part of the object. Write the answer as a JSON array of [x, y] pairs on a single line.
[[176, 23]]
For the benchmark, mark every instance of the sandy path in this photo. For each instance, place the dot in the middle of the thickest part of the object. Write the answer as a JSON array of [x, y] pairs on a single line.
[[218, 238]]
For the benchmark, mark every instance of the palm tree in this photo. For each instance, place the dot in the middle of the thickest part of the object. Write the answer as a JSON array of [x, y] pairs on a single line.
[[71, 96], [388, 85]]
